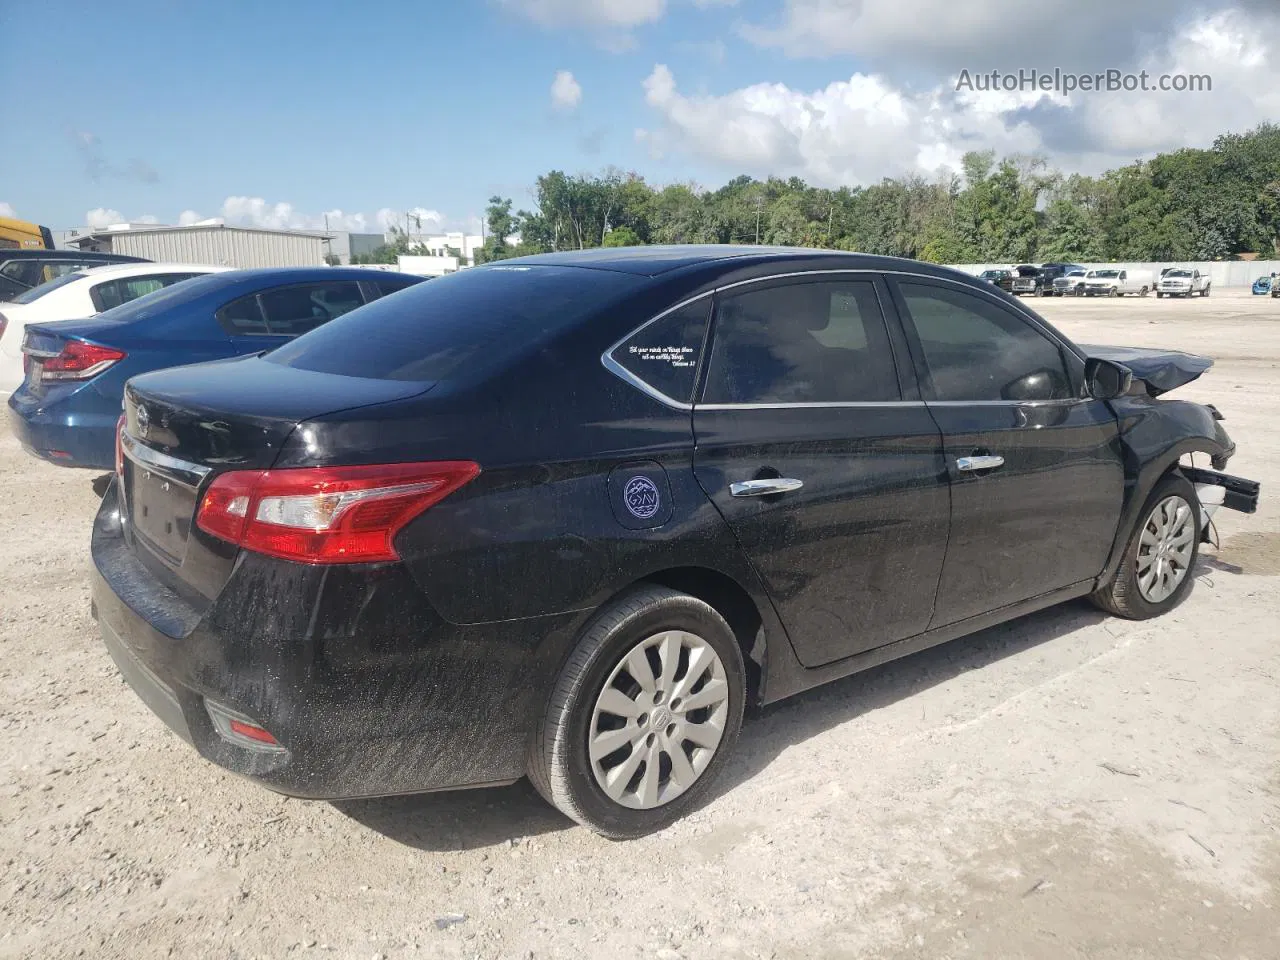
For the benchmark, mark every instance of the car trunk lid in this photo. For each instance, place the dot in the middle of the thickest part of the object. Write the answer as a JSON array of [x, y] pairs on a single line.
[[185, 426]]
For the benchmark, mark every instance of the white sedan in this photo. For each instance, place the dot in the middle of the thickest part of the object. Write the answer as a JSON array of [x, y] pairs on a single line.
[[81, 294]]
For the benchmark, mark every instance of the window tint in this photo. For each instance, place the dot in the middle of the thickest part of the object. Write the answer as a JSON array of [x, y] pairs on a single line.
[[26, 272], [35, 293], [243, 316], [114, 293], [802, 343], [302, 307], [60, 268], [977, 350], [665, 353], [470, 320]]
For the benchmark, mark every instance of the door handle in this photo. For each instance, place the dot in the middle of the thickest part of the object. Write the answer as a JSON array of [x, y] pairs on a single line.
[[979, 462], [768, 486]]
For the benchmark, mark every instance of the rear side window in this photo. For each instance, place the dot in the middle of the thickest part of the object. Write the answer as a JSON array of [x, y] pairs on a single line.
[[664, 354], [822, 342], [243, 317], [976, 350], [468, 321], [115, 293], [300, 308]]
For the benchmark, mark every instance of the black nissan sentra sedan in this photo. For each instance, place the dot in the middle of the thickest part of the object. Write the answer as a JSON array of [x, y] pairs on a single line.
[[566, 516]]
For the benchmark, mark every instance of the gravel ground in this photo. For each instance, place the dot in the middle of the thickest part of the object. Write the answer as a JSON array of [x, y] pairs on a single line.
[[1068, 785]]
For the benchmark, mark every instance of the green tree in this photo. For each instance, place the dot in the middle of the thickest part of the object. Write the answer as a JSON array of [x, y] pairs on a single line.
[[622, 237]]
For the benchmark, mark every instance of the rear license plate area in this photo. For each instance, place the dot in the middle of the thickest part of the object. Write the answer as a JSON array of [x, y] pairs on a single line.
[[160, 510]]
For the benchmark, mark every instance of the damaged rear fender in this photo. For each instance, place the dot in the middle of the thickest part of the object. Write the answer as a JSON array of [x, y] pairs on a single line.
[[1154, 436]]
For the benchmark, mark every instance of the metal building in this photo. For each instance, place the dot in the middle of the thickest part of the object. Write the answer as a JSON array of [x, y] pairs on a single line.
[[213, 243]]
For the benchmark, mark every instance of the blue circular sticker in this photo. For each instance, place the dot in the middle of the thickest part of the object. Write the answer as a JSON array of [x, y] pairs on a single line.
[[641, 497]]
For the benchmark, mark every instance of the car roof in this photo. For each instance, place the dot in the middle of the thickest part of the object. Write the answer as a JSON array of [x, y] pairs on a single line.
[[69, 255], [653, 261], [148, 268]]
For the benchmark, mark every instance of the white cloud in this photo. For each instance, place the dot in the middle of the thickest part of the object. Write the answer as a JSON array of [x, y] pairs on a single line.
[[870, 126], [243, 211], [944, 35], [623, 14], [566, 92], [101, 217], [6, 210]]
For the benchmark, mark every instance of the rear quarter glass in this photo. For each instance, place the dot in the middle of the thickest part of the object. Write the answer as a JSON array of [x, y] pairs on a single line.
[[465, 322]]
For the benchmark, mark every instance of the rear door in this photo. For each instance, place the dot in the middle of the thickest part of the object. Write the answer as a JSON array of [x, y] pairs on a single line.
[[1037, 482], [823, 461]]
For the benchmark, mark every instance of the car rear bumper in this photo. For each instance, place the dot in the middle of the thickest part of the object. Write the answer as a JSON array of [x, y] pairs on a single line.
[[368, 691], [67, 439]]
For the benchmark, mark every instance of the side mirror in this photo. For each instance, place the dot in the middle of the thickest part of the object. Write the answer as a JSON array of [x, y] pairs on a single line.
[[1106, 380]]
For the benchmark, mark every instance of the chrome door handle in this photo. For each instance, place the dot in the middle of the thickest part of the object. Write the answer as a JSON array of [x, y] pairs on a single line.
[[765, 487], [984, 462]]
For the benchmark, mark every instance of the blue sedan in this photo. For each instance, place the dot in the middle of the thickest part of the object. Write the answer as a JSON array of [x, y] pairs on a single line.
[[1262, 286], [67, 407]]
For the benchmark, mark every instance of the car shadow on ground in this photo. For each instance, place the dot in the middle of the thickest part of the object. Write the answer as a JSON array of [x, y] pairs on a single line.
[[470, 819]]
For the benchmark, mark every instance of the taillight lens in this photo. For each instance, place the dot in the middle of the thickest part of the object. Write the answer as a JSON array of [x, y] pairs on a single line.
[[326, 514], [80, 360], [4, 322]]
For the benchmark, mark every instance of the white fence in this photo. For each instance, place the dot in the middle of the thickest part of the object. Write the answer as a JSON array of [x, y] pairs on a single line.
[[1225, 273]]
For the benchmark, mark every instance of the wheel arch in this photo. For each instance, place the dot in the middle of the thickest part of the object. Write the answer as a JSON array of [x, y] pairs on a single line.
[[1146, 468], [733, 602]]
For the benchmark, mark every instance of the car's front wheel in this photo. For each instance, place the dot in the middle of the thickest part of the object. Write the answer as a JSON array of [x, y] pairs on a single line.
[[1155, 572], [643, 715]]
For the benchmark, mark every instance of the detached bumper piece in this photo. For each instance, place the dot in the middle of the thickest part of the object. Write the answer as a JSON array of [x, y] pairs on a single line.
[[1237, 493]]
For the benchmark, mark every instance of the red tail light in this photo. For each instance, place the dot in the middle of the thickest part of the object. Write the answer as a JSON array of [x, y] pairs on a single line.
[[80, 360], [326, 514]]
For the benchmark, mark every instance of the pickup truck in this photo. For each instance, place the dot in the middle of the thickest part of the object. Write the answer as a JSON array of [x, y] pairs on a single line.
[[1026, 279], [1183, 282], [1070, 284]]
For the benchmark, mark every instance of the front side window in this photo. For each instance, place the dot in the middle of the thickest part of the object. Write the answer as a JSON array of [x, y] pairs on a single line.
[[978, 351], [665, 353], [823, 342]]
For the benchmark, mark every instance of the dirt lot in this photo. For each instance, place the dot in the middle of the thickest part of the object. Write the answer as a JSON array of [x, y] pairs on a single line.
[[1065, 786]]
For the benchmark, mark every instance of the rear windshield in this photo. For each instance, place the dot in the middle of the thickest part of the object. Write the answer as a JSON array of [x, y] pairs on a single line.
[[35, 293], [470, 319]]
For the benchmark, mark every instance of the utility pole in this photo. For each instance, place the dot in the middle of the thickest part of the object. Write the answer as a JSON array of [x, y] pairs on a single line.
[[759, 206]]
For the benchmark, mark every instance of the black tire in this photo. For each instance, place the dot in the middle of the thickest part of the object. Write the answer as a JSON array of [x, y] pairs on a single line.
[[1143, 292], [1205, 291], [559, 764], [1122, 596], [1159, 295]]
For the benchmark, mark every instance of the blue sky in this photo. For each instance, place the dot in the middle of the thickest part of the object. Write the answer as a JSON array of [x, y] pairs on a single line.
[[273, 112]]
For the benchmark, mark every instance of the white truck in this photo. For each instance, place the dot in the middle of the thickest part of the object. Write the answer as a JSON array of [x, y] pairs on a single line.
[[1183, 282], [1116, 282]]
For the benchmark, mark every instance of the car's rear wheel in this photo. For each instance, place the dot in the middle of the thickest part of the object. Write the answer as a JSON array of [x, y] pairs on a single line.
[[1155, 573], [643, 715]]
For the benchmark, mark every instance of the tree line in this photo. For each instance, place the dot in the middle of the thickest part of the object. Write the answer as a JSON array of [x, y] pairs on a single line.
[[1190, 204]]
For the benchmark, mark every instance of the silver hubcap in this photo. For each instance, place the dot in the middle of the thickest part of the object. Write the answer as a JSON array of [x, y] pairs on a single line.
[[1164, 549], [658, 720]]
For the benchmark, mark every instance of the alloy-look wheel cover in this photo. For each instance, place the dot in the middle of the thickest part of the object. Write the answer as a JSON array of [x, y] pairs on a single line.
[[1164, 549], [658, 720]]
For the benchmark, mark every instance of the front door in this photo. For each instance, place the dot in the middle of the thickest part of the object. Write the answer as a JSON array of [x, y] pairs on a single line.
[[830, 476], [1037, 482]]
